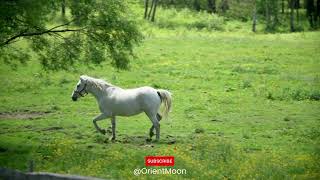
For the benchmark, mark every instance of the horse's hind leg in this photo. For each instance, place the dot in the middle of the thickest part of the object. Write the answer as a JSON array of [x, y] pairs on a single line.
[[156, 125], [159, 117], [151, 133], [113, 124]]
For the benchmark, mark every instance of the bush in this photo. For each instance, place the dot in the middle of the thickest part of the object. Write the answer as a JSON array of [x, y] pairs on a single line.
[[173, 19], [209, 21], [294, 93]]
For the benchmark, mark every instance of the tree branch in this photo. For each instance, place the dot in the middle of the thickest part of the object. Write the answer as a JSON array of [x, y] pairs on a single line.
[[52, 30], [61, 25]]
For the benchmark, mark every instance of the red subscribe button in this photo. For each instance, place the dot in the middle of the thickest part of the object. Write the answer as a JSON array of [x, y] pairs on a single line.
[[159, 160]]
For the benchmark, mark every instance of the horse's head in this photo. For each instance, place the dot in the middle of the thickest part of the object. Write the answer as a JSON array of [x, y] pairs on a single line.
[[80, 89]]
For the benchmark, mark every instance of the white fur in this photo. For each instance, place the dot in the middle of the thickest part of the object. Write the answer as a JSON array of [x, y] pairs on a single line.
[[114, 101]]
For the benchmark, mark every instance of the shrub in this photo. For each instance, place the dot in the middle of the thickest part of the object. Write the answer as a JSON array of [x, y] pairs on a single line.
[[294, 93], [173, 19]]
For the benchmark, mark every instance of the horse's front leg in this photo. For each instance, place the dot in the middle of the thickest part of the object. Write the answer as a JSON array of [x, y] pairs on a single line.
[[113, 125], [98, 118]]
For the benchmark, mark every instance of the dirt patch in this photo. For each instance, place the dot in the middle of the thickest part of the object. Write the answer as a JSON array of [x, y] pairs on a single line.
[[24, 114], [146, 141], [170, 139], [147, 146], [54, 128], [133, 139]]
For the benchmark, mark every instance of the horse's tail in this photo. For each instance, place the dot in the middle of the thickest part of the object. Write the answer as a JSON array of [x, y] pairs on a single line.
[[166, 99]]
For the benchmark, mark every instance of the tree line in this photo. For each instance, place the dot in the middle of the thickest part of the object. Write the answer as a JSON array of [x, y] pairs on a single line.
[[272, 12]]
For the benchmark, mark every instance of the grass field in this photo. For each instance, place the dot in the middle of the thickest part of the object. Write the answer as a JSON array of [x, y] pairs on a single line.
[[245, 107]]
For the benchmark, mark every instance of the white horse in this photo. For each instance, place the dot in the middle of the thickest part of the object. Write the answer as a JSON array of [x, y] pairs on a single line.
[[114, 101]]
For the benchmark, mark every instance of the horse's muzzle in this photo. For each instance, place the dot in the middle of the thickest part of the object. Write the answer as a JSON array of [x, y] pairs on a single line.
[[74, 98]]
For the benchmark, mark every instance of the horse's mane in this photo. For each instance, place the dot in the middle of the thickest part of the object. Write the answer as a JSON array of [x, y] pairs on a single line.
[[100, 83]]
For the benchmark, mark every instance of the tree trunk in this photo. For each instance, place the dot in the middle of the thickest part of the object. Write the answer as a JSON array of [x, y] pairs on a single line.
[[297, 10], [196, 5], [254, 17], [292, 2], [224, 5], [151, 9], [275, 18], [318, 12], [154, 10], [310, 12], [63, 7], [268, 17], [212, 6], [282, 7], [146, 4]]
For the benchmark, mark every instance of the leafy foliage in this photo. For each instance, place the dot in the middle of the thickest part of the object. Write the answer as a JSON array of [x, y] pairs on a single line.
[[89, 32], [172, 19]]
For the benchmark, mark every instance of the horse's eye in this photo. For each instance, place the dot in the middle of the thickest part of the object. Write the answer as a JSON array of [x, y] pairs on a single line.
[[78, 85]]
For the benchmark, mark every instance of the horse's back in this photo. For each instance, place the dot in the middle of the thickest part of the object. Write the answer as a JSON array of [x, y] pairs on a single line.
[[128, 102], [146, 97]]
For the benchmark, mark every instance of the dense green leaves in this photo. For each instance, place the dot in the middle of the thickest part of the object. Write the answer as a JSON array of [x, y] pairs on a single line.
[[89, 32]]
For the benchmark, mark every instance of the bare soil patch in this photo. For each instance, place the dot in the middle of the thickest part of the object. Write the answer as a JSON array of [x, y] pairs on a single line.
[[24, 114], [54, 128]]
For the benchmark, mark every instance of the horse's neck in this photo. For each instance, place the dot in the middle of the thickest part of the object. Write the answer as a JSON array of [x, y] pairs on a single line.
[[96, 92]]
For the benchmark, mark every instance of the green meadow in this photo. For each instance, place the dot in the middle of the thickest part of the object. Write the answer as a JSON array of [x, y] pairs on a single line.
[[245, 106]]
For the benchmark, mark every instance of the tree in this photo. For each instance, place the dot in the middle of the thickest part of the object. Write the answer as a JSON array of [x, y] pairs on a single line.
[[196, 5], [212, 6], [292, 5], [146, 6], [270, 10], [63, 7], [318, 12], [297, 6], [94, 32], [268, 16], [224, 5], [152, 12], [254, 16], [311, 12]]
